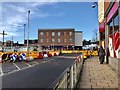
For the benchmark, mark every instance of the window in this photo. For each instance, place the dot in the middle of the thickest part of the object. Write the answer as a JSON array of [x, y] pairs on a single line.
[[70, 40], [116, 23], [111, 28], [70, 33], [102, 35], [58, 33], [64, 40], [47, 33], [47, 40], [41, 40], [41, 33], [53, 40], [58, 40], [64, 33], [53, 33]]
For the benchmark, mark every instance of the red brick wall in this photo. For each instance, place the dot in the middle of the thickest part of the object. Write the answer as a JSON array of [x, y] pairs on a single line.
[[56, 37]]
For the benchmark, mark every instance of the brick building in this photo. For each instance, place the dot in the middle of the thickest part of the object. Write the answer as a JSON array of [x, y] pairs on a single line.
[[60, 39]]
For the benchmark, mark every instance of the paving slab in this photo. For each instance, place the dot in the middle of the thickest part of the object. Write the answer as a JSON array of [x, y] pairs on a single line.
[[96, 76]]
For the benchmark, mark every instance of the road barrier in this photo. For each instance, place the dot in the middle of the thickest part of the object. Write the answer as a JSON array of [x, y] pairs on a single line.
[[36, 55], [69, 78], [24, 56]]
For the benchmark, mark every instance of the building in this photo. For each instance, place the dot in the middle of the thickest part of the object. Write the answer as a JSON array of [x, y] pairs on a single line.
[[0, 43], [33, 42], [109, 30], [60, 39], [9, 43]]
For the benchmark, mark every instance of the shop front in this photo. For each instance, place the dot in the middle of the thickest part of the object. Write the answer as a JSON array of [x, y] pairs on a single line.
[[113, 34]]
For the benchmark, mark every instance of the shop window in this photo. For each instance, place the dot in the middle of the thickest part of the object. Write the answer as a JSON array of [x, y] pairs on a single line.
[[116, 23], [102, 35], [111, 28]]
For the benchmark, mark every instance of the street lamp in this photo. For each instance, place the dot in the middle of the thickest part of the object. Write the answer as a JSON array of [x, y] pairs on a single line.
[[3, 40], [12, 43], [28, 34], [24, 33], [94, 4]]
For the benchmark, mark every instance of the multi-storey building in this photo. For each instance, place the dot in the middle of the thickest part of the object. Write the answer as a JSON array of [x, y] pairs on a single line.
[[60, 39], [109, 29]]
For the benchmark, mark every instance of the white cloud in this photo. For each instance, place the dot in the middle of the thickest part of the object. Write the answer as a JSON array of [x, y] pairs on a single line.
[[15, 14]]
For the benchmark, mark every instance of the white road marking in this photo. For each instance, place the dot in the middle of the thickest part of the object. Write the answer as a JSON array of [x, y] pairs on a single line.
[[35, 62], [18, 69], [44, 61], [28, 64], [16, 66], [1, 72]]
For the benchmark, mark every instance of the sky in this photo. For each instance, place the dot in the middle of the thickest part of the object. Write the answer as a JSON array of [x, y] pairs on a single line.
[[78, 15]]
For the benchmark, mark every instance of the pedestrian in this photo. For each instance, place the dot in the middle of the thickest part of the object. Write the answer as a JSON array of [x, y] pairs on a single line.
[[107, 55], [101, 53]]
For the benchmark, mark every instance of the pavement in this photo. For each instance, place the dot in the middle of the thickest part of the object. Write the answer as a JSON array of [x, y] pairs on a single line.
[[97, 76], [38, 76]]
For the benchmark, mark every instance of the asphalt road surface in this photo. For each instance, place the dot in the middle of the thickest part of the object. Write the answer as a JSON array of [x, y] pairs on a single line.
[[40, 75]]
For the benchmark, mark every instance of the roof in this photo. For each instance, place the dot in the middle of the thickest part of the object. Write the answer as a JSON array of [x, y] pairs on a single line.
[[58, 29], [78, 31]]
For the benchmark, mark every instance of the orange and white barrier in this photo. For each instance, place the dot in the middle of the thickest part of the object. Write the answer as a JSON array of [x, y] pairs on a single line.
[[45, 55], [1, 57], [40, 56]]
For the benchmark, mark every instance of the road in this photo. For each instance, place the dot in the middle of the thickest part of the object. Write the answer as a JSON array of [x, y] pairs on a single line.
[[40, 75]]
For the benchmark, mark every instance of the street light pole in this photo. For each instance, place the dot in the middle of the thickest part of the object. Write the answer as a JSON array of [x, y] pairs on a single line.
[[24, 33], [3, 40], [28, 34], [12, 43]]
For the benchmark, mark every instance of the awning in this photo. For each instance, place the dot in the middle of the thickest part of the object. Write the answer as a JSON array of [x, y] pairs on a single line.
[[112, 11]]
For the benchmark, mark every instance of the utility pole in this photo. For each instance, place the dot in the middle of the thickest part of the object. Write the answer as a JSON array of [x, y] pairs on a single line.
[[12, 43], [24, 33], [28, 34], [3, 40]]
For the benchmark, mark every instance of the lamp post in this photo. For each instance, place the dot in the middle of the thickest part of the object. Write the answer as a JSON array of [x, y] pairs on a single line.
[[24, 33], [28, 34], [94, 4], [12, 43], [3, 40]]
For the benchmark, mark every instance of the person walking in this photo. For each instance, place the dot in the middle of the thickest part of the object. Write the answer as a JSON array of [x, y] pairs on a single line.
[[101, 53]]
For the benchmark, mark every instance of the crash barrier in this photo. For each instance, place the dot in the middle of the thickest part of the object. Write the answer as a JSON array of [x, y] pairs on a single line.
[[86, 53], [12, 56], [24, 56], [69, 78], [44, 54]]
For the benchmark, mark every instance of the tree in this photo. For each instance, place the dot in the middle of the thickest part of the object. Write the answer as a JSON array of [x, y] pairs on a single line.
[[95, 35]]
